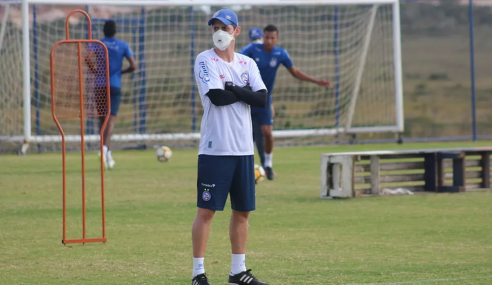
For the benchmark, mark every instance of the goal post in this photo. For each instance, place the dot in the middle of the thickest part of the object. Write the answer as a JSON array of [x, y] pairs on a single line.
[[353, 43]]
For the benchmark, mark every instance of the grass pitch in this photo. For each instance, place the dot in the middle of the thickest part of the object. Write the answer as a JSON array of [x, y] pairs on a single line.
[[295, 238]]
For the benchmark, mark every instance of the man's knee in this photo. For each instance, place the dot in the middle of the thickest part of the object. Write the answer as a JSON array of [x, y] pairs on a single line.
[[266, 130], [205, 215], [239, 215]]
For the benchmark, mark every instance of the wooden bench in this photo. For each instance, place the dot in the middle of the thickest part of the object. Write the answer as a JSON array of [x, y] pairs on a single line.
[[352, 174]]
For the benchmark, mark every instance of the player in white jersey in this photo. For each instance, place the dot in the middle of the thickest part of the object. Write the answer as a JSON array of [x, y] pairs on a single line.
[[228, 83]]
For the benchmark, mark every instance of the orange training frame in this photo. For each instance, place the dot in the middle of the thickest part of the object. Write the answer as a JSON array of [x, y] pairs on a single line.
[[75, 94]]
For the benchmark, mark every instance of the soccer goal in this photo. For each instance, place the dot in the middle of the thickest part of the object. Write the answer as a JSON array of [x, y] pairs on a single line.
[[353, 43]]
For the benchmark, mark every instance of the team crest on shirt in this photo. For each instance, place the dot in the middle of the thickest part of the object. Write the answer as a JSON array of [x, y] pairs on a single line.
[[245, 76], [273, 62], [203, 74]]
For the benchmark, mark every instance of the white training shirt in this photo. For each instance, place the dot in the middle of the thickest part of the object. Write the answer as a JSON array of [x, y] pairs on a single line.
[[226, 130]]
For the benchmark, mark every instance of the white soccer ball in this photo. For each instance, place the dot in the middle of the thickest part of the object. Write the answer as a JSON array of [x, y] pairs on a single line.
[[164, 153], [259, 173]]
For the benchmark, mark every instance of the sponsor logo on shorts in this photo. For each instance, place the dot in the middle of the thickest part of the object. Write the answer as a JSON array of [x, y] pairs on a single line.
[[208, 185]]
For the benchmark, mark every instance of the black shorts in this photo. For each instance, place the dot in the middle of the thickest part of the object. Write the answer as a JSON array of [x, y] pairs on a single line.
[[219, 176], [102, 102]]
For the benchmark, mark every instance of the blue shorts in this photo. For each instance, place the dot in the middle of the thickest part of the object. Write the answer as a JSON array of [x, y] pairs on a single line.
[[263, 116], [219, 176], [114, 96]]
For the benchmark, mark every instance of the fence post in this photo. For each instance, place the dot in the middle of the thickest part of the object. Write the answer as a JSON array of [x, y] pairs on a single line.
[[472, 68]]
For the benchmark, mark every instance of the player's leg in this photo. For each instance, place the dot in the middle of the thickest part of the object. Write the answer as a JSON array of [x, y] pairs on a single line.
[[215, 174], [242, 203], [199, 235], [115, 98], [258, 135], [267, 131], [115, 106], [102, 111], [238, 233]]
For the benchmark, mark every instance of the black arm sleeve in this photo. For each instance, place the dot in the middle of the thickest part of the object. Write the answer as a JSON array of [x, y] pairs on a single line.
[[221, 97], [254, 99]]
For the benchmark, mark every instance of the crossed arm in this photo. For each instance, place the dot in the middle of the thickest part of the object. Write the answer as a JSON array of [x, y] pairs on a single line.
[[233, 94]]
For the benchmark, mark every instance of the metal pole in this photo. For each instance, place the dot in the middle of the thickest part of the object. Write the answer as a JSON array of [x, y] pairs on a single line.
[[472, 68], [192, 64], [26, 71], [143, 76], [36, 71], [337, 69]]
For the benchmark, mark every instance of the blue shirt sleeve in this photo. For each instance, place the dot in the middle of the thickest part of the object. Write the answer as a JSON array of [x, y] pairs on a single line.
[[128, 51], [246, 50], [286, 61]]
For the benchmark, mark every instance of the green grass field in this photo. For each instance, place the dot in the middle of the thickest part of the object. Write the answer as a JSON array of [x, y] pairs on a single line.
[[295, 238]]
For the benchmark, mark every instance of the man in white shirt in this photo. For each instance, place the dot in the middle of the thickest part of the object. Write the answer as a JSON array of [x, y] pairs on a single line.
[[228, 83]]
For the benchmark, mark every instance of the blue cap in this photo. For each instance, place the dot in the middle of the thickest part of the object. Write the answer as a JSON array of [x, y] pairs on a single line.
[[226, 16], [255, 33]]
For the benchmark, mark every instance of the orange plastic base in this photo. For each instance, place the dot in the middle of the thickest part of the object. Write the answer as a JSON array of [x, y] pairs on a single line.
[[84, 240]]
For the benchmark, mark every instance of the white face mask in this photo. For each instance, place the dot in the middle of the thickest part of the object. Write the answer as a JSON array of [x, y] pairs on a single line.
[[222, 39]]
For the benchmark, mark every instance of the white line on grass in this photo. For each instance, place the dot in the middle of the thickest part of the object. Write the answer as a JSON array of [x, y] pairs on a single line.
[[423, 281]]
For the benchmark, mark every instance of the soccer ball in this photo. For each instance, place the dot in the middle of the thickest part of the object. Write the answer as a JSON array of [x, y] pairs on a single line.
[[259, 173], [164, 153]]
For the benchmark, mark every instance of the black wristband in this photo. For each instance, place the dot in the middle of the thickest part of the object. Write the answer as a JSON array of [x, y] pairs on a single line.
[[229, 85]]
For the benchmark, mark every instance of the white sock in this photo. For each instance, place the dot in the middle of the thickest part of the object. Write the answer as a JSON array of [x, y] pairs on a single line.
[[105, 149], [198, 266], [109, 154], [268, 159], [238, 263]]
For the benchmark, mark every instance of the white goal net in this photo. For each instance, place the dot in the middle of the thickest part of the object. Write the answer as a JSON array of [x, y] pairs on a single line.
[[354, 44]]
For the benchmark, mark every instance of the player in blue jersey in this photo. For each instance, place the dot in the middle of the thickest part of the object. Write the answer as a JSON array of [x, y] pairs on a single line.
[[117, 51], [268, 57], [256, 37]]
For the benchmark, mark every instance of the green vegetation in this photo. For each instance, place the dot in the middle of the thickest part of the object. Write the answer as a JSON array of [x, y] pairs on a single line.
[[296, 238]]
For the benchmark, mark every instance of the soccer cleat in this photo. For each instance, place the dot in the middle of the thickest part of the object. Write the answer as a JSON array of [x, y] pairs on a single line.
[[110, 162], [200, 279], [245, 278], [109, 159], [269, 173]]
